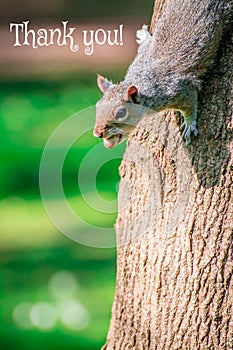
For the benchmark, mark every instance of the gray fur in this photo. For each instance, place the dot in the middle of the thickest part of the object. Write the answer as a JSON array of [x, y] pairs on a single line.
[[171, 64]]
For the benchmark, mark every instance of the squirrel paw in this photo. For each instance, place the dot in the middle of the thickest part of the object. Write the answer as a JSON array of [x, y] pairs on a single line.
[[189, 126], [143, 34]]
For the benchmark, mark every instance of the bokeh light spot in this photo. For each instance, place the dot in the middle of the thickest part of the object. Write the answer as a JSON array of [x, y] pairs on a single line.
[[43, 316], [21, 315], [62, 284], [74, 315]]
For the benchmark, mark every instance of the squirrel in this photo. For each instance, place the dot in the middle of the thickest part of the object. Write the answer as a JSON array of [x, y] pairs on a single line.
[[168, 70]]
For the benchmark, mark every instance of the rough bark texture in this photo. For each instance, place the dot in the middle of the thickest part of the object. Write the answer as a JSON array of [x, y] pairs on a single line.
[[175, 227], [158, 8]]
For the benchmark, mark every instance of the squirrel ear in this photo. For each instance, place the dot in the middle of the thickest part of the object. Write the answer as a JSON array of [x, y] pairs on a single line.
[[132, 94], [103, 83]]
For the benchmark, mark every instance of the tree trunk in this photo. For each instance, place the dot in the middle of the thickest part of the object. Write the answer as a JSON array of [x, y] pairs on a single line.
[[175, 227]]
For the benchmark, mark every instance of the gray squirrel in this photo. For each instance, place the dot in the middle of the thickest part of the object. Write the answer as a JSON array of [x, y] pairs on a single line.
[[168, 70]]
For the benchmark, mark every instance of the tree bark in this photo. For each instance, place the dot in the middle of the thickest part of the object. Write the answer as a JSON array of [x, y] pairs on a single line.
[[175, 227]]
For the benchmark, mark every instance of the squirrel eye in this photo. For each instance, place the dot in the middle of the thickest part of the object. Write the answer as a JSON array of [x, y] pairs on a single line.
[[121, 113]]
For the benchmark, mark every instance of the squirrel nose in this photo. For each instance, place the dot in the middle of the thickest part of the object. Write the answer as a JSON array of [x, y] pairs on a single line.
[[98, 132]]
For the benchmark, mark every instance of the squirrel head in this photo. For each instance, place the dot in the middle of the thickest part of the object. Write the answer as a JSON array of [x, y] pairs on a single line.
[[117, 112]]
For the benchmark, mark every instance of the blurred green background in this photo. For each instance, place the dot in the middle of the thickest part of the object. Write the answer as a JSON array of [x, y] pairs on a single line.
[[55, 293]]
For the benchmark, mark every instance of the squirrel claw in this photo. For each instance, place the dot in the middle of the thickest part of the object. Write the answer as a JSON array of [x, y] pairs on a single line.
[[143, 34], [188, 127]]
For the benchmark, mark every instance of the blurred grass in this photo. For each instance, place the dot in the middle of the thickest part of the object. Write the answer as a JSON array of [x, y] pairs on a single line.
[[25, 277], [29, 114], [31, 248]]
